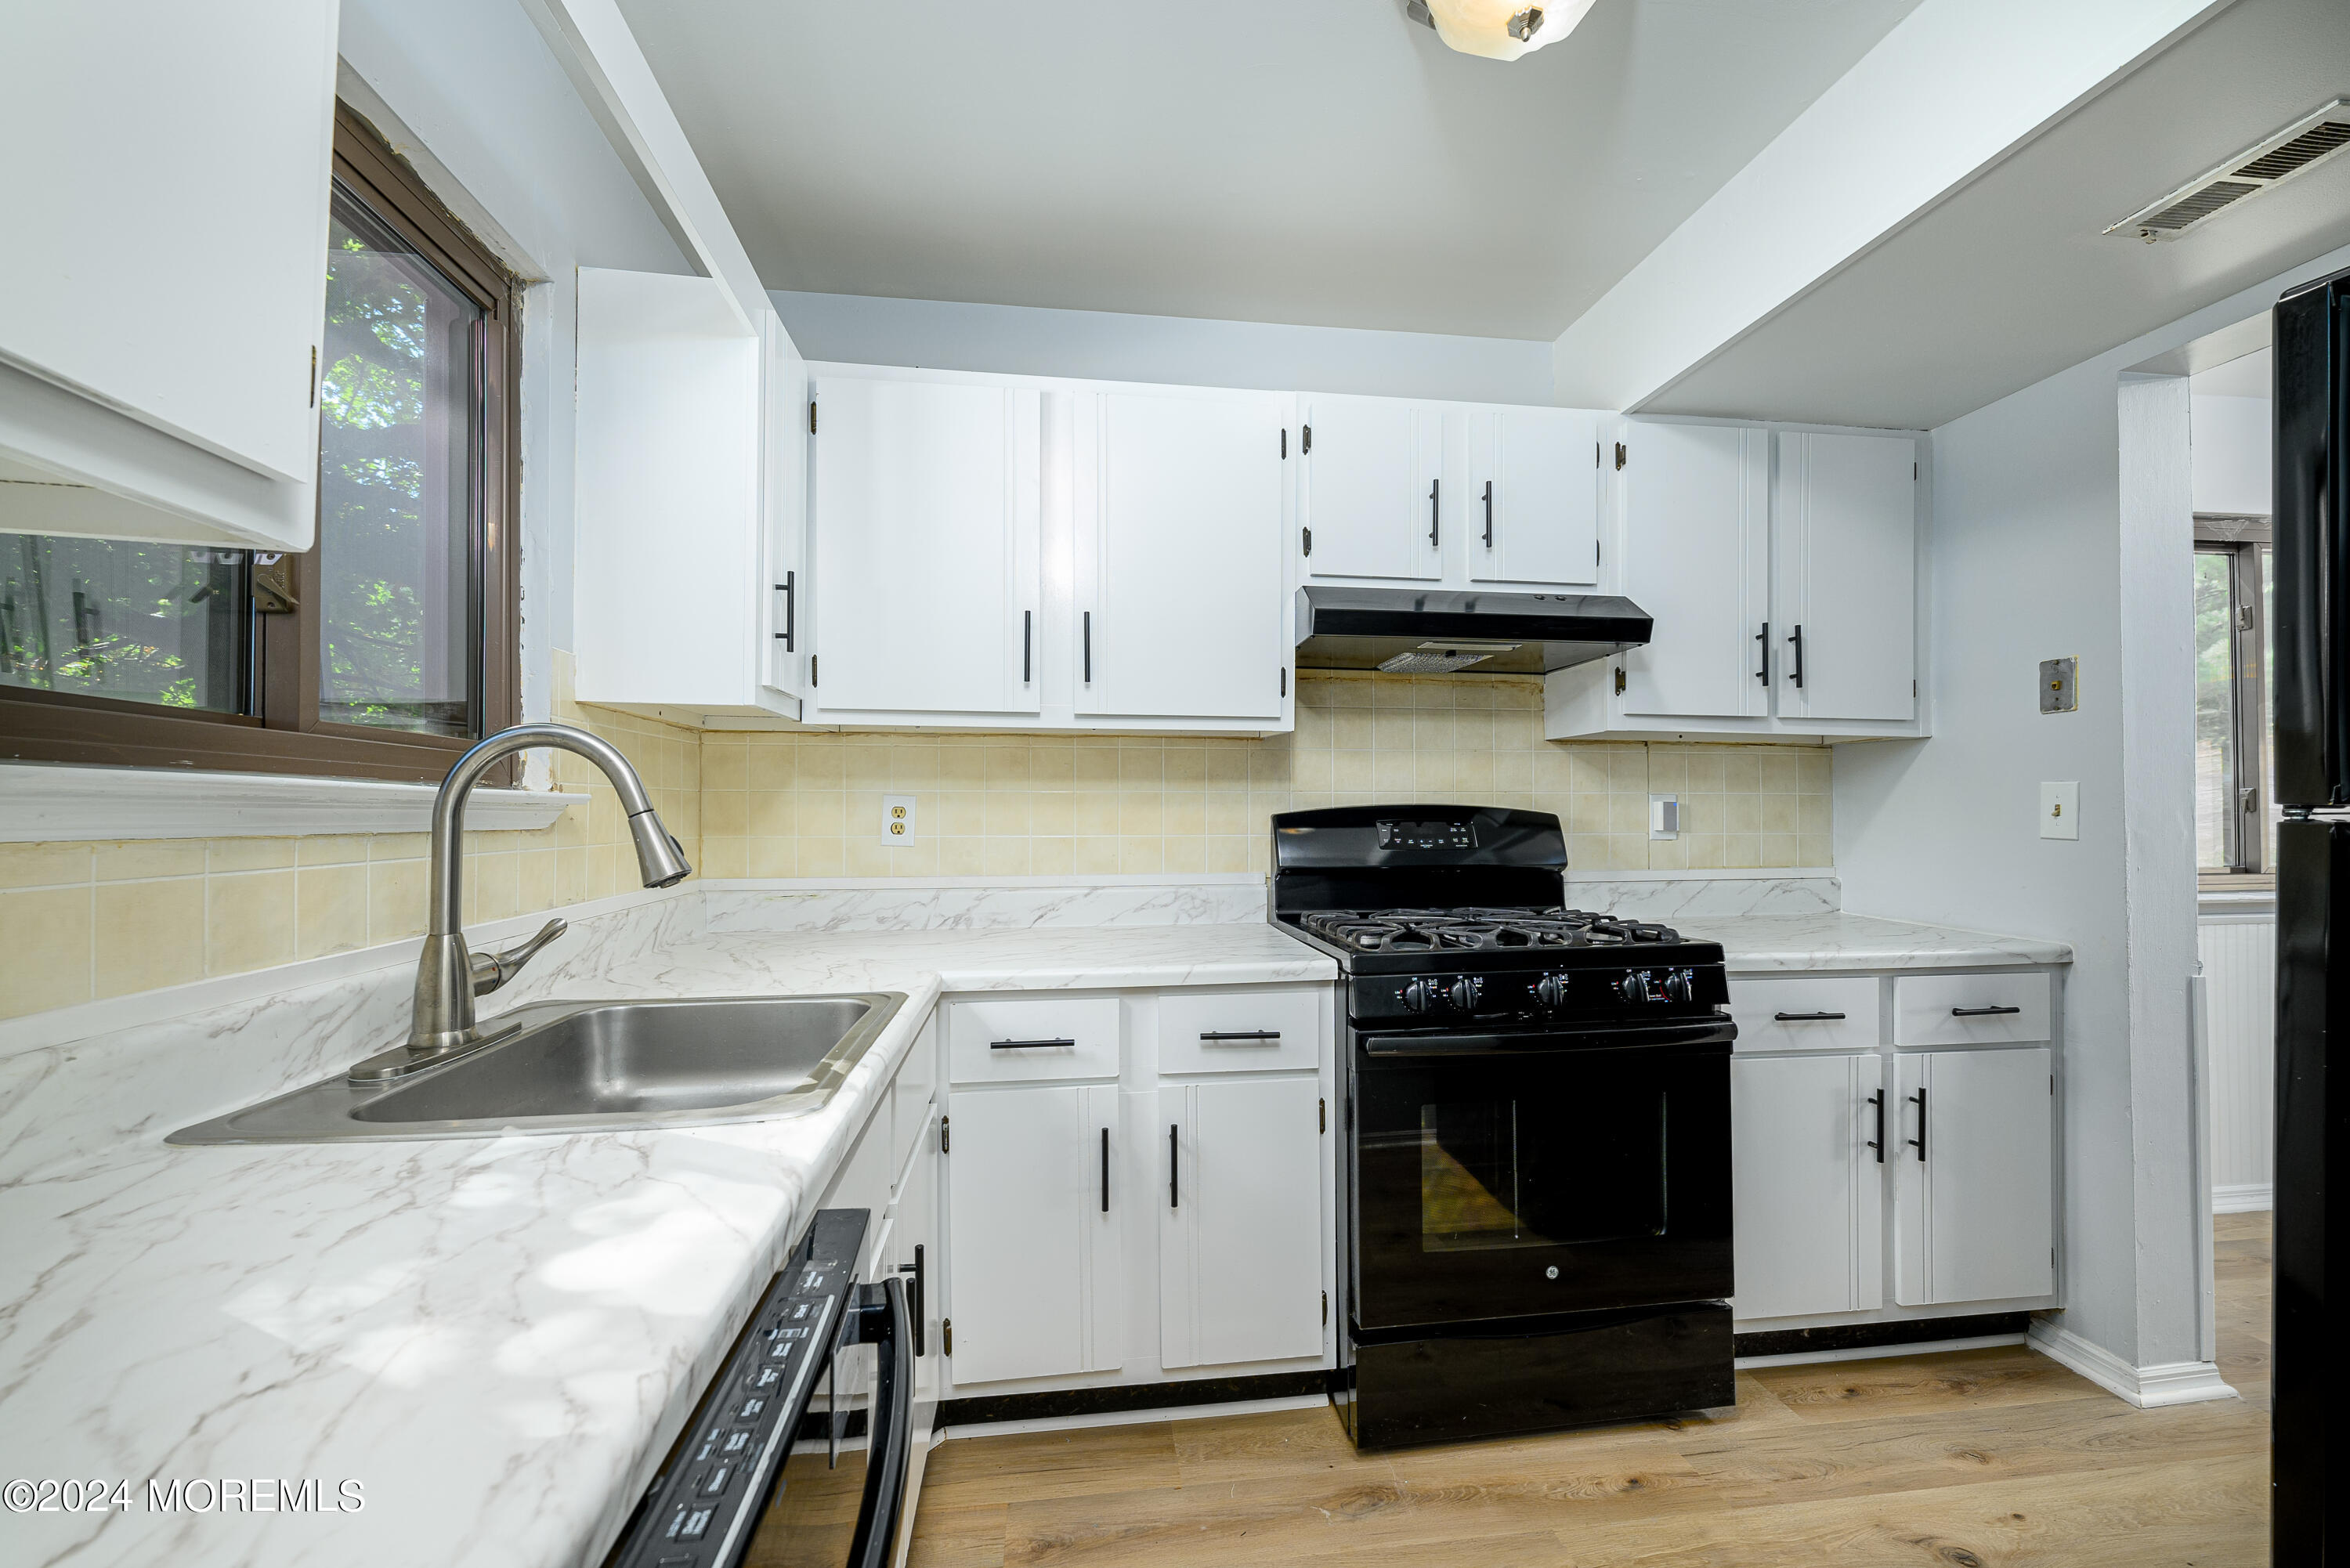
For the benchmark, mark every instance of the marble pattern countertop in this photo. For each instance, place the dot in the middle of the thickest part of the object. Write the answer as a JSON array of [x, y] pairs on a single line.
[[1762, 944], [498, 1338]]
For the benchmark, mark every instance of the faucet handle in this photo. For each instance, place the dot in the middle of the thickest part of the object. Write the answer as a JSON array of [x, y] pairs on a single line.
[[491, 971]]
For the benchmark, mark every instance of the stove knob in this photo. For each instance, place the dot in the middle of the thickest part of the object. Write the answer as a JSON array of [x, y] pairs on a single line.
[[1421, 996], [1550, 992], [1681, 985], [1635, 987], [1466, 992]]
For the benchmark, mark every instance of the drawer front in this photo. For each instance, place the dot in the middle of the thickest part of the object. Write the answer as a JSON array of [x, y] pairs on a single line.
[[1806, 1013], [1970, 1009], [1018, 1039], [1239, 1031]]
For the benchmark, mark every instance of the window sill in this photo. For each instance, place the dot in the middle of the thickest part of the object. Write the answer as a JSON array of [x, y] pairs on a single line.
[[52, 803]]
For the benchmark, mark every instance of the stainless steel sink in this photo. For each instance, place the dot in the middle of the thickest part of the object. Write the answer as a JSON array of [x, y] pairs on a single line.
[[574, 1066]]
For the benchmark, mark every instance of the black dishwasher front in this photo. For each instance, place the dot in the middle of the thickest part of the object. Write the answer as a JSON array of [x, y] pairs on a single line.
[[733, 1491]]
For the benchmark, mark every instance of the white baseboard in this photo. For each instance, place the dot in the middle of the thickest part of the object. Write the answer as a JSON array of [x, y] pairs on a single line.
[[2247, 1198], [2170, 1383]]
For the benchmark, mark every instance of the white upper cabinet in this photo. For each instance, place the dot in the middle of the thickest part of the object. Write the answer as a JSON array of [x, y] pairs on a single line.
[[162, 286], [1531, 503], [1181, 606], [675, 593], [926, 507], [1846, 620], [1697, 558], [1369, 493]]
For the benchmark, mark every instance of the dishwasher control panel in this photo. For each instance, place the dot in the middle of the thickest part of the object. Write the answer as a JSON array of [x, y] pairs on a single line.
[[702, 1507]]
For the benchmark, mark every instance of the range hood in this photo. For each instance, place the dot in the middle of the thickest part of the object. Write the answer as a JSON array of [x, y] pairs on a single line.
[[1429, 631]]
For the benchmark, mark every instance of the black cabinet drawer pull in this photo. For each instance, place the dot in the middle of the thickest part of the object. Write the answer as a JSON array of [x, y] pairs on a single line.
[[1269, 1036], [1807, 1017], [1981, 1011], [1030, 1044]]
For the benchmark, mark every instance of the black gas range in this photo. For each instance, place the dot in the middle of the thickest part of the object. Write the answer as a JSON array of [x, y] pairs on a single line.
[[1534, 1217]]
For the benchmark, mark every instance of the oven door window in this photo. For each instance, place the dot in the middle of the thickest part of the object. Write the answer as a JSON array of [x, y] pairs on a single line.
[[1489, 1181], [1534, 1182]]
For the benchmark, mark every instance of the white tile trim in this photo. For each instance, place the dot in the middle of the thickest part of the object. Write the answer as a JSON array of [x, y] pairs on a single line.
[[43, 803], [2147, 1387]]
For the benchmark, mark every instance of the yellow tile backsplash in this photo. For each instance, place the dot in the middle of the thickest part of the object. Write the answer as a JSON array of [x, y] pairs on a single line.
[[80, 921]]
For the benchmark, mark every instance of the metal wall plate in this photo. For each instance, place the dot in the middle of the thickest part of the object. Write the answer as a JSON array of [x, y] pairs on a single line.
[[2060, 689]]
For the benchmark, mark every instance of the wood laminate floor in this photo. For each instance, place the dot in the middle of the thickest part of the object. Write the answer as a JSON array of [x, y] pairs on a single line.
[[1967, 1459]]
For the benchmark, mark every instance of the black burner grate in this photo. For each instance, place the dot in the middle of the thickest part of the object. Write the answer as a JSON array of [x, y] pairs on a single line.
[[1470, 929]]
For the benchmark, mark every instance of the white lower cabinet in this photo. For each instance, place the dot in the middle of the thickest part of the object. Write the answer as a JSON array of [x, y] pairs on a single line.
[[1036, 1273], [913, 1256], [1240, 1229], [1974, 1182], [1807, 1189]]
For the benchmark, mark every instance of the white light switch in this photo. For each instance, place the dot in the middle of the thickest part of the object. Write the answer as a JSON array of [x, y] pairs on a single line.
[[898, 818], [1664, 816], [2060, 809]]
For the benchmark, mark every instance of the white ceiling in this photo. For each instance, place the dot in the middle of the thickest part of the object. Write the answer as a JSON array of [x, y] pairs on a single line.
[[2011, 279], [1315, 161]]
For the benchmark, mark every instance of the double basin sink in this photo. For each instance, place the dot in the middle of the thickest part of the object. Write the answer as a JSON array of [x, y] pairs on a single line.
[[586, 1066]]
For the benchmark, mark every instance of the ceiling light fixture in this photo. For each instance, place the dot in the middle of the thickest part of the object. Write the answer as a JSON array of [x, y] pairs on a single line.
[[1498, 29]]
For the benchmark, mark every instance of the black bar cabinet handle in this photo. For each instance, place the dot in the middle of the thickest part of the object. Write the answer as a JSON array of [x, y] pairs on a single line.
[[1265, 1034], [1877, 1143], [1027, 643], [1806, 1017], [1105, 1170], [1432, 511], [1489, 514], [914, 1297], [1763, 660], [1981, 1011], [1919, 1143], [1173, 1153], [1798, 640], [789, 589], [1089, 647], [1029, 1044]]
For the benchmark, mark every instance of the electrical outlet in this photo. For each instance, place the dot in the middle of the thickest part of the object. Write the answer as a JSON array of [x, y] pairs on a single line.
[[2060, 810], [1664, 816], [898, 818]]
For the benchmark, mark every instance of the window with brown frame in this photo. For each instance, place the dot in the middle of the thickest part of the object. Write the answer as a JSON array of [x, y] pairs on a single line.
[[389, 647]]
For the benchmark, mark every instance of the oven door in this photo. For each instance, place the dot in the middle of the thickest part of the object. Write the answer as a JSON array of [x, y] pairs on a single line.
[[1522, 1174]]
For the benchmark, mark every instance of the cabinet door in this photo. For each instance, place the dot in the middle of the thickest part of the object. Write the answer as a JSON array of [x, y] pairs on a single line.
[[162, 286], [1807, 1188], [1530, 510], [1240, 1229], [1180, 599], [1847, 527], [926, 505], [783, 583], [1696, 536], [1037, 1288], [666, 558], [914, 1258], [1370, 486], [1973, 1216]]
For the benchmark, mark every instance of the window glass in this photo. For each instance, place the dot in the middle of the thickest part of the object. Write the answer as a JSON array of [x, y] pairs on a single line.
[[1482, 1190], [399, 437], [2215, 710], [140, 623]]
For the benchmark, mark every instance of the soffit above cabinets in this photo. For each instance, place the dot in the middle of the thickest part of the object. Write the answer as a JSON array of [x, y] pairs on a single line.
[[1316, 161]]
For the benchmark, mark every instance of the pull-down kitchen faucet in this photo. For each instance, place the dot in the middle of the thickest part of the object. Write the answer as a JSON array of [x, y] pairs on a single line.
[[448, 974]]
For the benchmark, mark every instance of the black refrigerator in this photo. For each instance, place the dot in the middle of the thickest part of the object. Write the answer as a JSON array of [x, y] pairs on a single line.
[[2310, 528]]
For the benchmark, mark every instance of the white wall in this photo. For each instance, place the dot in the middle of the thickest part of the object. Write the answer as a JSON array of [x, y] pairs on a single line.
[[2238, 953], [1028, 340], [469, 91], [2045, 544], [2233, 471]]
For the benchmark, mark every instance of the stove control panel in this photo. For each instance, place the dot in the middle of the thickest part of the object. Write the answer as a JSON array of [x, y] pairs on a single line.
[[1602, 990]]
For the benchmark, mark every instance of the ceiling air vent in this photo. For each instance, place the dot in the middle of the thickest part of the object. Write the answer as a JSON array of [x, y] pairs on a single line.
[[2306, 143]]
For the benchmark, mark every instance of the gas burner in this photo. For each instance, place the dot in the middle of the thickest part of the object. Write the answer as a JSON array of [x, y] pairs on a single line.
[[1474, 928]]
